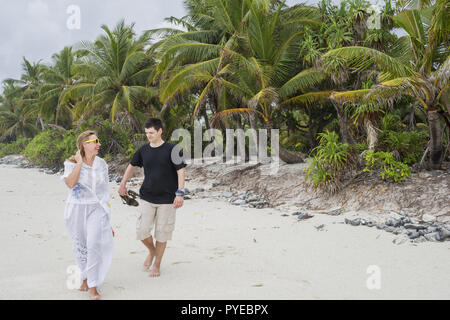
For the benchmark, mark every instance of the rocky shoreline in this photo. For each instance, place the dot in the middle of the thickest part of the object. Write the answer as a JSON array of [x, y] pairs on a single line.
[[216, 184]]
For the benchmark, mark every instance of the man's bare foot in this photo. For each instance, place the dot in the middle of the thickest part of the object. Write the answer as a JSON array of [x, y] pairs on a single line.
[[148, 262], [84, 286], [94, 295], [154, 272]]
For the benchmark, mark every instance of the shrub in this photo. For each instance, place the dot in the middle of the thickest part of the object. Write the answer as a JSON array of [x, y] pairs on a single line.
[[388, 168], [328, 166], [14, 147], [51, 148]]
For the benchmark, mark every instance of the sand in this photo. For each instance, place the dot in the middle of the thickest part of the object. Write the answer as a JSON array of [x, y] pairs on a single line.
[[218, 251]]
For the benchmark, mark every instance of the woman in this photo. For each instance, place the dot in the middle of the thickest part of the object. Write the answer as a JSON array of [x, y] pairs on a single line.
[[87, 212]]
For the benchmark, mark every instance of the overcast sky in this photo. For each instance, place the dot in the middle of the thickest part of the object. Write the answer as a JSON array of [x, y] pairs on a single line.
[[38, 28]]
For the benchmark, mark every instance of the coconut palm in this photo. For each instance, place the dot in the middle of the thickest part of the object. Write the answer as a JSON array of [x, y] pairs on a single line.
[[114, 76], [248, 68], [28, 85], [419, 66], [16, 117], [57, 78]]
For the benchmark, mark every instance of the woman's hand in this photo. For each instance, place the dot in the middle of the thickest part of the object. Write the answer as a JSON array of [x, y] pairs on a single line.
[[78, 157]]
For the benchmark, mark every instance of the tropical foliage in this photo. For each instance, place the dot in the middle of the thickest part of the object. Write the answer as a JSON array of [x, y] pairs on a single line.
[[324, 75]]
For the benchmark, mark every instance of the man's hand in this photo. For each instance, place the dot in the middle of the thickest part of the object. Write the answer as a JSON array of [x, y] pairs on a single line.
[[178, 202], [123, 191]]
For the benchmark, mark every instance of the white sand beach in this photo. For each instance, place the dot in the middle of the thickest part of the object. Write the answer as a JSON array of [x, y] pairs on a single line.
[[218, 251]]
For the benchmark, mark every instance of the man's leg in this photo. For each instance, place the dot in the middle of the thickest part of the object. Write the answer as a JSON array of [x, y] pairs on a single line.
[[160, 248], [144, 228], [164, 226], [151, 249]]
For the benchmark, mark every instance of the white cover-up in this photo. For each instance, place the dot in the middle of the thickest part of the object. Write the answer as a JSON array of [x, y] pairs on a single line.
[[87, 219]]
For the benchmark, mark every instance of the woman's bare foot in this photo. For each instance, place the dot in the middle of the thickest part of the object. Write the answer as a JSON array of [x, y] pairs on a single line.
[[148, 262], [84, 286], [94, 295], [154, 272]]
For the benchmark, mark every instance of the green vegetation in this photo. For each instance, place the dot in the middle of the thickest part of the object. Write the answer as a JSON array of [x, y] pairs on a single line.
[[317, 73], [330, 163], [385, 163]]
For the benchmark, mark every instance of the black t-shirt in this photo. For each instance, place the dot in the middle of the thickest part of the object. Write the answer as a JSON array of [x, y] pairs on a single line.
[[161, 179]]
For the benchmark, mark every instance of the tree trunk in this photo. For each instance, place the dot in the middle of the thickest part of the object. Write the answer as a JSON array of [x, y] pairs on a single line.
[[42, 123], [343, 125], [372, 135], [205, 117], [285, 155], [434, 124]]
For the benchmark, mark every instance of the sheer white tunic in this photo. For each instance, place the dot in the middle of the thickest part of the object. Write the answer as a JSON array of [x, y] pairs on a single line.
[[87, 219]]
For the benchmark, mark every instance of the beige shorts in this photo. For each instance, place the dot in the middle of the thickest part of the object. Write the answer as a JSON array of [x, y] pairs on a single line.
[[162, 216]]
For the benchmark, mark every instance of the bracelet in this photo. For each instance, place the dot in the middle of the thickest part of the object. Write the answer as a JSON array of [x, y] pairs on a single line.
[[180, 192]]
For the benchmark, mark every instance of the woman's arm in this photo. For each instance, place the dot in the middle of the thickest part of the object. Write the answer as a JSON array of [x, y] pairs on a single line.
[[72, 180]]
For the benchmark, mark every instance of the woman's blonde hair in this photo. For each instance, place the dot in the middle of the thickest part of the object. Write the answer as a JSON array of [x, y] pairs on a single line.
[[81, 138]]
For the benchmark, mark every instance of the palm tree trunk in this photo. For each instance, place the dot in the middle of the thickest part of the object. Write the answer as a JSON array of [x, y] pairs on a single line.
[[285, 155], [343, 125], [42, 123], [372, 135], [434, 124]]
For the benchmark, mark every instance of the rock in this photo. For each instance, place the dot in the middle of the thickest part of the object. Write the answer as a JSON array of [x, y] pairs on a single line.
[[253, 199], [444, 234], [428, 218], [389, 229], [406, 220], [239, 202], [354, 222], [335, 212], [413, 235], [370, 223], [187, 197], [216, 183], [198, 190], [394, 223], [432, 229], [434, 236], [304, 215], [186, 191], [381, 226], [227, 194], [395, 216], [415, 226]]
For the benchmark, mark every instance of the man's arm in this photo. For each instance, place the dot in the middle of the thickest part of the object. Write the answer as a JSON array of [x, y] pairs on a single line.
[[123, 184], [181, 174], [179, 200]]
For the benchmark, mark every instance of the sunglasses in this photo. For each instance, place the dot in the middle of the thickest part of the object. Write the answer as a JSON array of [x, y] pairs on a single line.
[[94, 140]]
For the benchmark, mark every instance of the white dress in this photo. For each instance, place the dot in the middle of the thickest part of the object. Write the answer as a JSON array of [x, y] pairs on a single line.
[[87, 219]]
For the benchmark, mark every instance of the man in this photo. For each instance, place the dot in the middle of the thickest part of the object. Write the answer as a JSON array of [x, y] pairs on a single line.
[[161, 193]]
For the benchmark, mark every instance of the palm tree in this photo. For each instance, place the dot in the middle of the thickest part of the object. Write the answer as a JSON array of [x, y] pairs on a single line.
[[419, 67], [29, 84], [16, 117], [57, 78], [254, 59], [114, 76]]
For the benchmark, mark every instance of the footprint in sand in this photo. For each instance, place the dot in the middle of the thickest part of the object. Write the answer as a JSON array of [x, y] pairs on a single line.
[[119, 288], [178, 262]]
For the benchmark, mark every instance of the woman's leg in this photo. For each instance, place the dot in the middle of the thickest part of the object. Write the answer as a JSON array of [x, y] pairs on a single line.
[[75, 222], [99, 246]]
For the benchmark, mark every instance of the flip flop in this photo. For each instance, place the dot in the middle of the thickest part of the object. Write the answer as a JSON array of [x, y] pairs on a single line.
[[133, 194], [129, 201]]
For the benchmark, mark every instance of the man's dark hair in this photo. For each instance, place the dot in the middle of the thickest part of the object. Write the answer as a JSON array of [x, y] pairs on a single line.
[[154, 123]]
